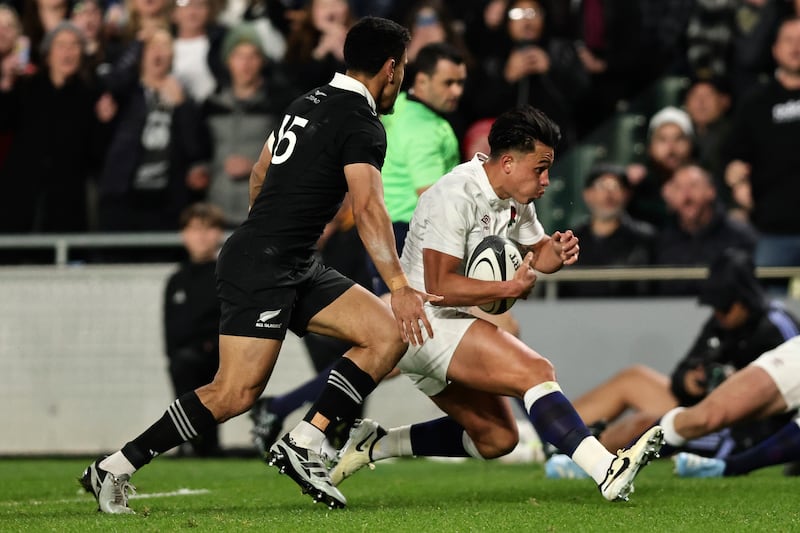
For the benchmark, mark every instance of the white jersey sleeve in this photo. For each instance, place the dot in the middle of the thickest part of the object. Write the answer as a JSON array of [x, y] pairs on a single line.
[[528, 230]]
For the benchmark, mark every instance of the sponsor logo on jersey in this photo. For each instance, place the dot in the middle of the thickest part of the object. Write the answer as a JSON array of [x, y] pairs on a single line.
[[315, 97]]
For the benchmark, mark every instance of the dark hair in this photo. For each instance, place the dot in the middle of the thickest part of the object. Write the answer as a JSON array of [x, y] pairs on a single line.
[[373, 40], [429, 55], [603, 169], [732, 278], [703, 171], [521, 128], [211, 214]]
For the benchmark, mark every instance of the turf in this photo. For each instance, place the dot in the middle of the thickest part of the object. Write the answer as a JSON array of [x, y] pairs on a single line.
[[410, 495]]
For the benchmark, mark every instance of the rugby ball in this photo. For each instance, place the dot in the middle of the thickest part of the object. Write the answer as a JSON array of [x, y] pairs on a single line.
[[494, 259]]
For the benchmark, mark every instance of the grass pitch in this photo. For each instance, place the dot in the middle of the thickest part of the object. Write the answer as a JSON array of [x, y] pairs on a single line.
[[410, 495]]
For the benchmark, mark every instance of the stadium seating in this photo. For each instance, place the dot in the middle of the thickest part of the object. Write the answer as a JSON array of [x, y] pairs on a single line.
[[562, 207]]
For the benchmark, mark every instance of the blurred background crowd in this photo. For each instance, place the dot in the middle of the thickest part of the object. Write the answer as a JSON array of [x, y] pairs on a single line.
[[680, 118]]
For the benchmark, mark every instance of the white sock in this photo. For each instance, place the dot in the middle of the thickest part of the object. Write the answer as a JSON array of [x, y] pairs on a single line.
[[117, 464], [593, 458], [307, 435], [396, 443], [671, 436]]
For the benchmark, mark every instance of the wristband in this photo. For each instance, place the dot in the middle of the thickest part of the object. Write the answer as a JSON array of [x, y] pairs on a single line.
[[397, 282]]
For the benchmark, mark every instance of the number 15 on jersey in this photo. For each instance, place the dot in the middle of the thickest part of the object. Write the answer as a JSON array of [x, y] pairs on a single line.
[[287, 138]]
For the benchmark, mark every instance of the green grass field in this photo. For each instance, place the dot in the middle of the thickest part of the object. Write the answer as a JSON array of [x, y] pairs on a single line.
[[410, 495]]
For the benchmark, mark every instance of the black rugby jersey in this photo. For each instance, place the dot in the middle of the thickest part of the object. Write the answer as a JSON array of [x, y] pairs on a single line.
[[320, 132]]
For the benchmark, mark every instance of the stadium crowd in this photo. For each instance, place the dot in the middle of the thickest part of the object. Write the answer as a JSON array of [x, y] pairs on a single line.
[[116, 115]]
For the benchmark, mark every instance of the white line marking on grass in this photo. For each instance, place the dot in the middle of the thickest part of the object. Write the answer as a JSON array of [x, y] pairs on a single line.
[[179, 492], [139, 496]]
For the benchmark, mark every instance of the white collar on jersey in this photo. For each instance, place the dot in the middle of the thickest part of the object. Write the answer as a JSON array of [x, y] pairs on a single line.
[[483, 182], [342, 81]]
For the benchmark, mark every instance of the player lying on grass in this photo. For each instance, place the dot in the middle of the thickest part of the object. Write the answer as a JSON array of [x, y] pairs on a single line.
[[471, 365], [769, 385]]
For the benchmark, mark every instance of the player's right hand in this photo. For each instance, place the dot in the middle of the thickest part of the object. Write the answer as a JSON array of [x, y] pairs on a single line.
[[526, 276], [408, 308]]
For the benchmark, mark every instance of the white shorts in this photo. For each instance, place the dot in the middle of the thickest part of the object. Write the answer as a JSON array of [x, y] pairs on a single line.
[[783, 366], [427, 365]]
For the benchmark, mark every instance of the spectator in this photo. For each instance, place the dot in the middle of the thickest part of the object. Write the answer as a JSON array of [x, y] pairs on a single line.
[[710, 35], [663, 29], [375, 8], [40, 17], [315, 48], [700, 229], [744, 324], [57, 139], [610, 48], [708, 102], [764, 167], [88, 16], [133, 22], [198, 40], [610, 237], [14, 55], [271, 20], [484, 26], [238, 117], [756, 26], [670, 144], [153, 161], [530, 68], [145, 16], [14, 46], [191, 312], [430, 22]]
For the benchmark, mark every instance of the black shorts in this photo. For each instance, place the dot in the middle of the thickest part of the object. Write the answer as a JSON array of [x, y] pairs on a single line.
[[261, 299]]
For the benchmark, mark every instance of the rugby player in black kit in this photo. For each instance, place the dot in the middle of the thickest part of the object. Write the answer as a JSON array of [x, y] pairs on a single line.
[[329, 141]]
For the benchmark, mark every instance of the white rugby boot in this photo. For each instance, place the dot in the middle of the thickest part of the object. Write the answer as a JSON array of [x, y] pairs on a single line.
[[357, 451], [618, 483]]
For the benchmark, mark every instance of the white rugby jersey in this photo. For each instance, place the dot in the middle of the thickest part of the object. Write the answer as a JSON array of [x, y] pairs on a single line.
[[458, 212]]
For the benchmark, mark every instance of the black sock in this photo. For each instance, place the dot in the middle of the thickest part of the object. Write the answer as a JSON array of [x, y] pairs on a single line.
[[183, 420], [341, 399]]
